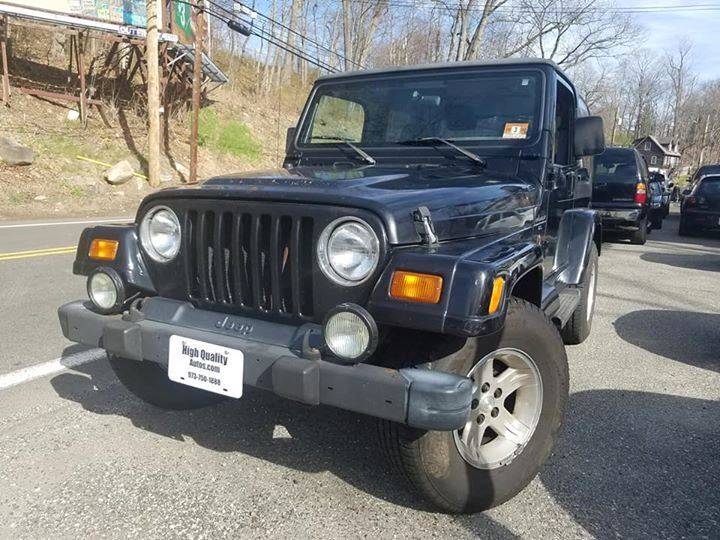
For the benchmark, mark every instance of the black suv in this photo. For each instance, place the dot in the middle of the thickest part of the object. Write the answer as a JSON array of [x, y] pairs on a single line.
[[420, 258], [700, 209], [621, 193]]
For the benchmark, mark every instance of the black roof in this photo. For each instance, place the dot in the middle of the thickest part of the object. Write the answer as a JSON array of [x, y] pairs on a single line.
[[706, 170], [506, 62]]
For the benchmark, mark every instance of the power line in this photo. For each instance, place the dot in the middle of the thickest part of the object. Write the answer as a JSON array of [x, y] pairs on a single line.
[[269, 37], [317, 44]]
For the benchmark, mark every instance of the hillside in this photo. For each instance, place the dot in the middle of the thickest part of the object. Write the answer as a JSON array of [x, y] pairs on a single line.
[[241, 128]]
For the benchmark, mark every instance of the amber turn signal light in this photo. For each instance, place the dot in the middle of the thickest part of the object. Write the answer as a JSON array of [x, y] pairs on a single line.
[[415, 287], [497, 294], [103, 250]]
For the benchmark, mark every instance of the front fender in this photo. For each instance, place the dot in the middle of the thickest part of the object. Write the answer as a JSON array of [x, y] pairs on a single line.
[[468, 271], [128, 262], [579, 229]]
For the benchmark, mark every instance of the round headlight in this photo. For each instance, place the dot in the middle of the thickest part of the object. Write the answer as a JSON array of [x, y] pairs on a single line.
[[348, 251], [106, 290], [160, 234], [350, 332]]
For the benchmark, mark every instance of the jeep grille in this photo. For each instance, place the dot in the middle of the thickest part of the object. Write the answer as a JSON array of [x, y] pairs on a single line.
[[250, 260]]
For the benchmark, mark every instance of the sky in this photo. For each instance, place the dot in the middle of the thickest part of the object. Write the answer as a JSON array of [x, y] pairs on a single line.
[[665, 30]]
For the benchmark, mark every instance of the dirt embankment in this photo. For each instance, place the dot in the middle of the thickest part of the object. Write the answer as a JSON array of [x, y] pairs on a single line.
[[241, 129]]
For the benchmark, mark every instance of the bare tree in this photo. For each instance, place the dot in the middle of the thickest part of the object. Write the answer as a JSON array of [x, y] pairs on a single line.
[[678, 67]]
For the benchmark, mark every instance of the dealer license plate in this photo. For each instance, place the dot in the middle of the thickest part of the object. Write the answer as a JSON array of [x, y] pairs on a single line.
[[206, 366]]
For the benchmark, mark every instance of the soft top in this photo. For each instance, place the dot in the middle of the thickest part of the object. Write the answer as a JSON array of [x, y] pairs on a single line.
[[506, 62]]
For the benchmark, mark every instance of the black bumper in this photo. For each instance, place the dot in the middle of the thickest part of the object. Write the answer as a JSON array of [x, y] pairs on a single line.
[[278, 358]]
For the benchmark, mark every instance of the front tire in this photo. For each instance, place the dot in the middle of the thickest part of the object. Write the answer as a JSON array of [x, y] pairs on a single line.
[[507, 441], [579, 325], [149, 381]]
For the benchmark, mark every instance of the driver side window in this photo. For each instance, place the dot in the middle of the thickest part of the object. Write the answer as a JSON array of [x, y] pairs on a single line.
[[564, 121]]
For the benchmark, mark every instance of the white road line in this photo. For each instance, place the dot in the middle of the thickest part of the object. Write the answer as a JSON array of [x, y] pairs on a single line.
[[51, 223], [14, 378]]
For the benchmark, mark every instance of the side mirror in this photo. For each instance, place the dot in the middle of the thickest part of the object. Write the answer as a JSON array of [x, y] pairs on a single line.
[[589, 136], [289, 139]]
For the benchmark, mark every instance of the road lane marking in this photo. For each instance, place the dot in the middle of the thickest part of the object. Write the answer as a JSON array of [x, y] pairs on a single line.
[[37, 253], [53, 223], [14, 378]]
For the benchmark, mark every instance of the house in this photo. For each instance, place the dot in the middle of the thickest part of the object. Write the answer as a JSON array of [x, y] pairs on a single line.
[[660, 155]]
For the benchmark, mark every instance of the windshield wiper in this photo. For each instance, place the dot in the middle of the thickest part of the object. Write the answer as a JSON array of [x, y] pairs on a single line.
[[435, 141], [367, 158]]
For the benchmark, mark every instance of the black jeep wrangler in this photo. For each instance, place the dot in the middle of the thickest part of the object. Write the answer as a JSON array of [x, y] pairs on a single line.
[[421, 257]]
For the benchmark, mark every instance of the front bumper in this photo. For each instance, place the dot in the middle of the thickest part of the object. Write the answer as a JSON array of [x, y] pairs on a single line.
[[280, 358]]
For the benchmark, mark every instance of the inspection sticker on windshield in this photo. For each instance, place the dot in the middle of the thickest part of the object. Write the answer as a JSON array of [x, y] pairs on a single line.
[[516, 130], [206, 366]]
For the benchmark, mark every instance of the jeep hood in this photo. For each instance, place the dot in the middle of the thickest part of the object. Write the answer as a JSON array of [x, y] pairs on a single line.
[[463, 201]]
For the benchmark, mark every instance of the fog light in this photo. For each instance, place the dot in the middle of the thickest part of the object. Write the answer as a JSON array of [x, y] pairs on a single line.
[[350, 332], [106, 290]]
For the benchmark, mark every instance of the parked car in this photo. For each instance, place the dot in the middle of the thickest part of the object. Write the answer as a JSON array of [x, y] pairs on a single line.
[[666, 187], [420, 258], [620, 194], [700, 209], [705, 170], [656, 194]]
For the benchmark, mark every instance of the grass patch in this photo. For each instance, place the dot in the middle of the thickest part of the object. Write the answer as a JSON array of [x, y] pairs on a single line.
[[228, 137], [73, 191], [66, 148]]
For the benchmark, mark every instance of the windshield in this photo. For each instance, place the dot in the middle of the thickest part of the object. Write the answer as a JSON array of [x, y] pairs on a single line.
[[472, 107], [615, 166]]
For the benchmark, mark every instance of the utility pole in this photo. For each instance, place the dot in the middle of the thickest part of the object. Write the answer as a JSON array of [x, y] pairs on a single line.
[[702, 144], [615, 125], [196, 90], [153, 90]]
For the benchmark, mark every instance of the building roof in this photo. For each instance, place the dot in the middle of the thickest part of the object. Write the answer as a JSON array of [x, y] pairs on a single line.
[[509, 62], [663, 147]]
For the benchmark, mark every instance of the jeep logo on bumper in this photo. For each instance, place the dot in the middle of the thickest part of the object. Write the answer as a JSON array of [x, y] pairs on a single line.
[[228, 324]]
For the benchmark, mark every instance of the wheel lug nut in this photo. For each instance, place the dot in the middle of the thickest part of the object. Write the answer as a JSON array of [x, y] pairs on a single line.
[[494, 412], [474, 404], [498, 393], [480, 418], [485, 387]]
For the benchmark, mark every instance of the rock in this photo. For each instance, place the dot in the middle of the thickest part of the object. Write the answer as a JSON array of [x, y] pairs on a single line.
[[40, 198], [73, 115], [14, 153], [119, 173], [182, 169]]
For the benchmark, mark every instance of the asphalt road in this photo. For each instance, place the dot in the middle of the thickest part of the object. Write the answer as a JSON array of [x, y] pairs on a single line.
[[638, 457]]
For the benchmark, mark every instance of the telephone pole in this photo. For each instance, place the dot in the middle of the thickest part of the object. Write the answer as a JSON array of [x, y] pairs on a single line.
[[196, 90], [153, 91], [702, 143]]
